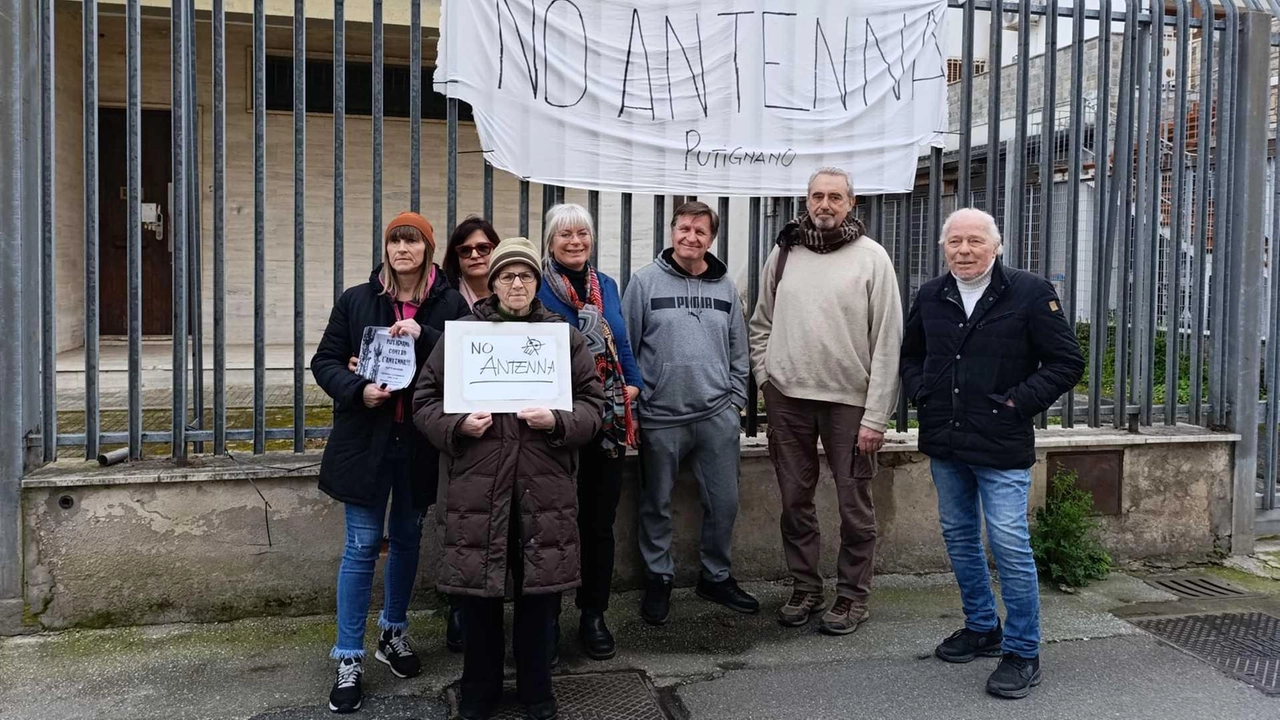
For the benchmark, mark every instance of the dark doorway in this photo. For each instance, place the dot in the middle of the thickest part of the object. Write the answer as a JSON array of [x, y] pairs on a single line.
[[113, 235]]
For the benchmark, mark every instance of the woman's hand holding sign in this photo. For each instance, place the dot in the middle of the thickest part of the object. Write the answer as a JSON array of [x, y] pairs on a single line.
[[408, 327], [475, 424], [538, 418], [374, 395]]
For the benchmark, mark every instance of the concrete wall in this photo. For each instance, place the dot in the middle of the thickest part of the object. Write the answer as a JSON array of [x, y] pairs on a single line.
[[154, 543]]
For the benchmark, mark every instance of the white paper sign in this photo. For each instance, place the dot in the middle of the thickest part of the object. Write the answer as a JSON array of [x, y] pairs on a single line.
[[506, 367], [717, 97], [386, 361]]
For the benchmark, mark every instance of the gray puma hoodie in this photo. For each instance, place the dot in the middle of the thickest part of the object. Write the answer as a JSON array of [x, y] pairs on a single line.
[[689, 336]]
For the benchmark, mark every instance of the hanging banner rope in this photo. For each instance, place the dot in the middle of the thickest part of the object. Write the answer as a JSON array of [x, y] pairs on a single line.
[[723, 97]]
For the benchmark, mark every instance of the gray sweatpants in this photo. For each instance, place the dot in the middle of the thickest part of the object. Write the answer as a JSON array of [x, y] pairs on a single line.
[[712, 445]]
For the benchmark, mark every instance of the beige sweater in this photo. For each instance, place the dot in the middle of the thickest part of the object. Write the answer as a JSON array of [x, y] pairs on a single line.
[[832, 329]]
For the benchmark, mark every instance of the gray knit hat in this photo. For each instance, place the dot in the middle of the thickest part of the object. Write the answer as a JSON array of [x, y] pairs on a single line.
[[515, 250]]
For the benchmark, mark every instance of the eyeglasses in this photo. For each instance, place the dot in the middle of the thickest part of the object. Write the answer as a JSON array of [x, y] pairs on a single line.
[[508, 278], [466, 251]]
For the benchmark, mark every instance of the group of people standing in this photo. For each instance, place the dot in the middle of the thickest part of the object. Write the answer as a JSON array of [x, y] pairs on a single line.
[[526, 502]]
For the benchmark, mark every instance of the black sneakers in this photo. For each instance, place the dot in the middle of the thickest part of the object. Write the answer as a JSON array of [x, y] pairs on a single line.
[[965, 645], [542, 711], [346, 695], [656, 605], [727, 593], [394, 650], [1015, 676]]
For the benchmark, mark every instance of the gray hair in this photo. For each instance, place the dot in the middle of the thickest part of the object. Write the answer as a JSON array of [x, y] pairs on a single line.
[[565, 215], [834, 172], [990, 228]]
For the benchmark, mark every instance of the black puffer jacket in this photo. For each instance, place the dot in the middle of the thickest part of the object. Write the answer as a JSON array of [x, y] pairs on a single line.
[[960, 371], [360, 434]]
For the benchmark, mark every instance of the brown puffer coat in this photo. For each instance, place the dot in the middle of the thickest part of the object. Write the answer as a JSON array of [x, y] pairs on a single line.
[[479, 478]]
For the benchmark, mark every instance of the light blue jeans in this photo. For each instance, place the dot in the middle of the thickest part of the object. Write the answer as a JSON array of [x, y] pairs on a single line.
[[967, 494], [364, 542]]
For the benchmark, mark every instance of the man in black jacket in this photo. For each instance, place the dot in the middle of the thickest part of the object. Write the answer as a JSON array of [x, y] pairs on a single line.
[[986, 349]]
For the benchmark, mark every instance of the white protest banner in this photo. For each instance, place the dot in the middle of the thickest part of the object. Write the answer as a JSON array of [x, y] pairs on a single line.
[[506, 367], [386, 361], [718, 97]]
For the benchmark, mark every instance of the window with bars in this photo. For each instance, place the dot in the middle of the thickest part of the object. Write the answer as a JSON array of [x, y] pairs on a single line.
[[955, 68]]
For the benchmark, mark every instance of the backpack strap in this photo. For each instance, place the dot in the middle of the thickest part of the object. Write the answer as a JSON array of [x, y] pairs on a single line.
[[784, 248]]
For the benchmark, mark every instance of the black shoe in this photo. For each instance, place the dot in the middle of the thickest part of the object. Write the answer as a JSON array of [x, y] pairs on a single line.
[[346, 695], [656, 604], [727, 593], [453, 630], [597, 641], [475, 709], [1015, 676], [965, 645], [542, 711], [394, 650]]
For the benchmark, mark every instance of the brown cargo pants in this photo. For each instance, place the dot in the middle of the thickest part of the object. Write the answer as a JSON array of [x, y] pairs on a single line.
[[795, 427]]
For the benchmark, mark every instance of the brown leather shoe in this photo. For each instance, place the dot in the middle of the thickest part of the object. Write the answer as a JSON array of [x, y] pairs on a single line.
[[802, 606], [844, 617]]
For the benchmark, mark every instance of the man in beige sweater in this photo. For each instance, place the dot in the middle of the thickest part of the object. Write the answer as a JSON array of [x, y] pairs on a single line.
[[825, 339]]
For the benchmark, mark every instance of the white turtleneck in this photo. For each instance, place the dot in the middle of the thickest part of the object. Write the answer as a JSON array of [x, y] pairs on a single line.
[[971, 290]]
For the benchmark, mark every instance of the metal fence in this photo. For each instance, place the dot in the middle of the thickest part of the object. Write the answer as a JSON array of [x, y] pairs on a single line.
[[1099, 134]]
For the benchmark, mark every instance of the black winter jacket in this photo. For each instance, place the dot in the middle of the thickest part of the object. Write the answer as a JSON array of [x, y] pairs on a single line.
[[359, 438], [959, 371]]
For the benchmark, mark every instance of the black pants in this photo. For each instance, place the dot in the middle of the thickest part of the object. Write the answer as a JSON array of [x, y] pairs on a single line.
[[533, 638], [599, 489]]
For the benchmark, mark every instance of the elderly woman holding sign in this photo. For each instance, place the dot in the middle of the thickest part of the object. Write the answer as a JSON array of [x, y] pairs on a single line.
[[588, 299], [374, 457], [508, 502]]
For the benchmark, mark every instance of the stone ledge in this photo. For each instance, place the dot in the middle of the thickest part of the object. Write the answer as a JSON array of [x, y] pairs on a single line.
[[78, 473]]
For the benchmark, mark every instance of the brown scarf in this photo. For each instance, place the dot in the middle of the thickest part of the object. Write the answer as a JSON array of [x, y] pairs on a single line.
[[808, 235]]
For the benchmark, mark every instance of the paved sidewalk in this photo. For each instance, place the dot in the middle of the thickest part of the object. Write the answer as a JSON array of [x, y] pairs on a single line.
[[714, 663]]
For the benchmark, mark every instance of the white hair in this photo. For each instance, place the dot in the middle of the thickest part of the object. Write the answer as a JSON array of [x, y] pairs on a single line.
[[989, 226], [834, 172], [565, 215]]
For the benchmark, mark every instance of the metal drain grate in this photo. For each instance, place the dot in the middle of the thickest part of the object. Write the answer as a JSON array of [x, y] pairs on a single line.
[[602, 696], [1243, 645], [1197, 587]]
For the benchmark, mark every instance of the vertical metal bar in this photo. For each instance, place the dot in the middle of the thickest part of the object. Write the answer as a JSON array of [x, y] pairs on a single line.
[[195, 254], [1148, 160], [181, 196], [1121, 219], [994, 70], [219, 228], [624, 271], [415, 107], [1221, 329], [1016, 219], [89, 39], [299, 222], [339, 146], [722, 239], [1155, 127], [876, 226], [965, 169], [48, 280], [133, 80], [1048, 142], [1178, 218], [1271, 468], [259, 227], [1076, 148], [451, 180], [379, 87], [1200, 258], [902, 262], [524, 208], [1251, 80], [934, 232], [754, 260], [593, 209], [659, 223], [488, 191], [1098, 331]]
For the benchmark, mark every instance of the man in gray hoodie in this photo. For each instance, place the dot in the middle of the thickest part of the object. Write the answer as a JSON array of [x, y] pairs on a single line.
[[689, 335]]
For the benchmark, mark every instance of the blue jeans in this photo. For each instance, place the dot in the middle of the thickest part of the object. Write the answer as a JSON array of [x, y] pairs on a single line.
[[364, 541], [1003, 496]]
